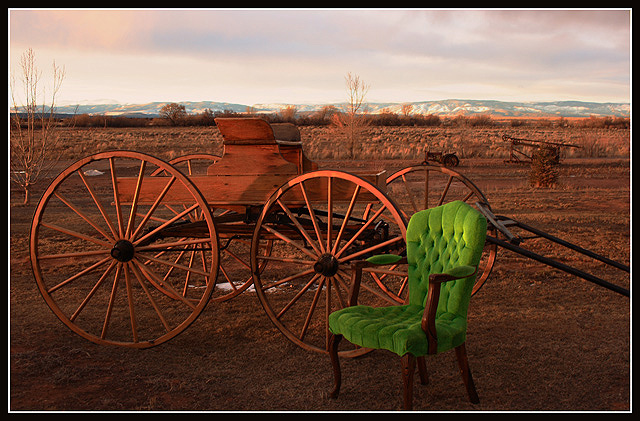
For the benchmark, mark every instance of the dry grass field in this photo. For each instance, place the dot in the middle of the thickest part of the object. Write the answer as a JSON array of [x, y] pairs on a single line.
[[321, 142], [539, 339]]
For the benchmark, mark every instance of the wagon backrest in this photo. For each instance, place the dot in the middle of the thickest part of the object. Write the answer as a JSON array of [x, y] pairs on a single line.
[[245, 131], [255, 145]]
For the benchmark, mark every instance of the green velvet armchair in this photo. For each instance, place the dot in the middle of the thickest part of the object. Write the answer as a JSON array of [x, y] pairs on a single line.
[[444, 246]]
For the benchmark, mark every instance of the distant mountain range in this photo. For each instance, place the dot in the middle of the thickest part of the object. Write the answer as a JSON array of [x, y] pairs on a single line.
[[448, 107]]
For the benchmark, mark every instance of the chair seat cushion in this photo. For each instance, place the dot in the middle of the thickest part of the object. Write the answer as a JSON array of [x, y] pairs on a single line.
[[396, 328]]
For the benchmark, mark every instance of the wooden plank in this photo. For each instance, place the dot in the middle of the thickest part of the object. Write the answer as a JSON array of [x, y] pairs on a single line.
[[252, 160], [242, 189], [217, 189]]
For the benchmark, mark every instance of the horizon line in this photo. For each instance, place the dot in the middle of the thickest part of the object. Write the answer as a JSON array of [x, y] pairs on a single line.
[[114, 102]]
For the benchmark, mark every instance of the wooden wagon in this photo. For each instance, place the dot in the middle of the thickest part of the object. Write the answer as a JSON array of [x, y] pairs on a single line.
[[132, 256]]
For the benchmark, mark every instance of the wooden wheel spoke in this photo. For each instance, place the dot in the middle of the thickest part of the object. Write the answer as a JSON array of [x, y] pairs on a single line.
[[77, 235], [167, 223], [385, 272], [84, 216], [371, 248], [444, 192], [378, 292], [74, 254], [116, 196], [468, 196], [395, 295], [314, 220], [329, 212], [136, 197], [426, 188], [132, 312], [237, 258], [346, 219], [286, 260], [287, 279], [298, 225], [175, 265], [312, 308], [297, 296], [203, 260], [175, 261], [112, 296], [93, 290], [226, 276], [403, 288], [78, 275], [409, 194], [289, 241], [327, 312], [98, 203], [340, 284], [155, 280], [361, 230], [153, 207], [150, 297]]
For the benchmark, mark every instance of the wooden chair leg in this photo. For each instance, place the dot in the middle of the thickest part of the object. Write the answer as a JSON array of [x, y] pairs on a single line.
[[334, 340], [408, 362], [463, 363], [422, 370]]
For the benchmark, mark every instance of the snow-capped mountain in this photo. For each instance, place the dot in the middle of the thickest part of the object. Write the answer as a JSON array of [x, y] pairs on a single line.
[[441, 108]]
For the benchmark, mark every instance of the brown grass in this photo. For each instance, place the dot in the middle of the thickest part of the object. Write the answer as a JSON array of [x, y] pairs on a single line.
[[322, 143]]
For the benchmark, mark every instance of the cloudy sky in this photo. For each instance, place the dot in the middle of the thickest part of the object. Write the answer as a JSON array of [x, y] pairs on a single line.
[[252, 56]]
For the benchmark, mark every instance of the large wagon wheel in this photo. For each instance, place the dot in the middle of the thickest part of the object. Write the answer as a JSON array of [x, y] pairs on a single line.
[[319, 223], [234, 264], [423, 186], [104, 256]]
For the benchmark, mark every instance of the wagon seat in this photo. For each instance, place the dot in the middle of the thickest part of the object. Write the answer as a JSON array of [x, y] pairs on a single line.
[[252, 146]]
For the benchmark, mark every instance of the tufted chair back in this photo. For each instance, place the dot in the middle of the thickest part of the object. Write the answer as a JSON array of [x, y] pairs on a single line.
[[440, 238]]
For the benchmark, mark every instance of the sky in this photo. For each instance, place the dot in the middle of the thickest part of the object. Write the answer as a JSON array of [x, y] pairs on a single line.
[[302, 56]]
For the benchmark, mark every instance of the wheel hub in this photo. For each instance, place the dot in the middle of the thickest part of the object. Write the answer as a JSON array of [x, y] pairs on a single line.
[[122, 251], [326, 265]]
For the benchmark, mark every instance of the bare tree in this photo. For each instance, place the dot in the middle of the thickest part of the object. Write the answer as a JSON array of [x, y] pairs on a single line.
[[356, 93], [353, 120], [406, 109], [173, 112], [32, 137]]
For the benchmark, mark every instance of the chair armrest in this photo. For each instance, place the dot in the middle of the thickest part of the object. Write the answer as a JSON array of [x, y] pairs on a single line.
[[433, 296], [386, 259], [456, 272], [373, 261]]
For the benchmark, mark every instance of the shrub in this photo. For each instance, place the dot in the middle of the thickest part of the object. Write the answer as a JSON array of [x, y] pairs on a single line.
[[544, 167]]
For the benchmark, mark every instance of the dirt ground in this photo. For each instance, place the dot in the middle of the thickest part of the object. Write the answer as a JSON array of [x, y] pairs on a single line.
[[539, 339]]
